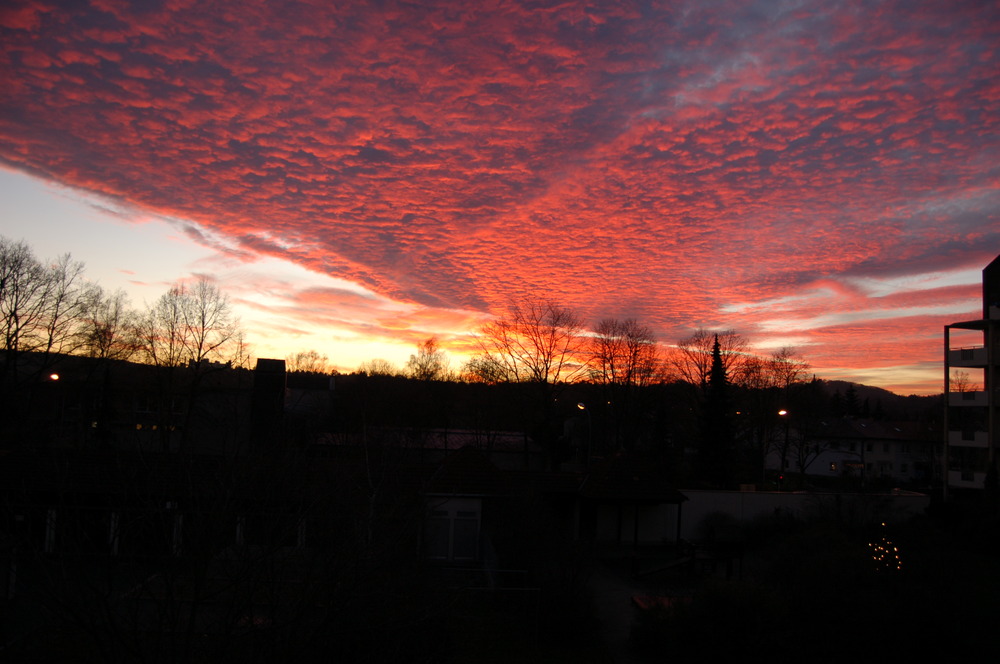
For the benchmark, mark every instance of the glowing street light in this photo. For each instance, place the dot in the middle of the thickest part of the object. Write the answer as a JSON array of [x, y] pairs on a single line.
[[590, 433], [781, 471]]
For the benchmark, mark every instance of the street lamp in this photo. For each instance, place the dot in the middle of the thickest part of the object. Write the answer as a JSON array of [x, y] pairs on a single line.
[[590, 432], [784, 450]]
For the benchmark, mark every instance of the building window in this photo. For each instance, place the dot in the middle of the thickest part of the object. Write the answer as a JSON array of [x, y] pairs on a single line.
[[452, 529], [885, 447]]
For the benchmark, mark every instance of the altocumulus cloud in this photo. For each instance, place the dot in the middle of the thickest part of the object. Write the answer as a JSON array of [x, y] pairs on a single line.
[[661, 159]]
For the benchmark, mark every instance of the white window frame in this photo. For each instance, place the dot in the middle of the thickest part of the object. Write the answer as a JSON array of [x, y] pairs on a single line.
[[456, 512]]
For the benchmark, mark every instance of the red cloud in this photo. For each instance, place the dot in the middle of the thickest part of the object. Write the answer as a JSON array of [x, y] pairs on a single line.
[[663, 162]]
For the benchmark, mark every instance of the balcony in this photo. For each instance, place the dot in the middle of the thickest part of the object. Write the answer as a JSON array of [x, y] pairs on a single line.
[[966, 479], [968, 439], [968, 357], [977, 398]]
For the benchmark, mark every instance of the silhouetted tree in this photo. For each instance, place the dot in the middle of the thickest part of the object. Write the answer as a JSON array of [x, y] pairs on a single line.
[[625, 359], [767, 387], [40, 304], [188, 326], [961, 382], [378, 367], [40, 307], [852, 406], [182, 334], [535, 342], [483, 369], [429, 362], [716, 454], [539, 344], [308, 361], [837, 408], [107, 328], [694, 355]]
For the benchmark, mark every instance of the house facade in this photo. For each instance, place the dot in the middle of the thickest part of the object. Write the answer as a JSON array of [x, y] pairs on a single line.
[[871, 452]]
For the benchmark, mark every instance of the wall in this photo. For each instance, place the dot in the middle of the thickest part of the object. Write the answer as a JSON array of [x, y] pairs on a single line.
[[658, 523], [748, 506]]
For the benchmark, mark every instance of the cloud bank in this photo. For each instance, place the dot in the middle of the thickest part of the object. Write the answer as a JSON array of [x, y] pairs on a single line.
[[690, 164]]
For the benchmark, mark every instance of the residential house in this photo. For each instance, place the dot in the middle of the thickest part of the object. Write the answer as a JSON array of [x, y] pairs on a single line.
[[870, 451]]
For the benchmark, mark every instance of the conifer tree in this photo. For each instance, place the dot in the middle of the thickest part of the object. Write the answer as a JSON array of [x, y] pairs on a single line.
[[837, 404], [851, 402], [717, 450]]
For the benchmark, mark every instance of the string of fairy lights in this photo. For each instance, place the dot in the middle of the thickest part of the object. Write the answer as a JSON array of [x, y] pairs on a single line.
[[886, 555]]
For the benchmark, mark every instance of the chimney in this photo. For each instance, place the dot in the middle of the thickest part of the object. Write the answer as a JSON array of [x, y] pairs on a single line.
[[268, 403]]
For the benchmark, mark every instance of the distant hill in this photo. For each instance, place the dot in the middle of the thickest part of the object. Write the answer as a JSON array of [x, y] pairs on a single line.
[[894, 406]]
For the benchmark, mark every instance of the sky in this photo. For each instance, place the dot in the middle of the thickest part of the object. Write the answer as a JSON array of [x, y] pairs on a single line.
[[359, 176]]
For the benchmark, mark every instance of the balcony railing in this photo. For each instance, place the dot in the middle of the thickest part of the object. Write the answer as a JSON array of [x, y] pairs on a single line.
[[968, 439], [967, 357], [971, 398], [966, 479]]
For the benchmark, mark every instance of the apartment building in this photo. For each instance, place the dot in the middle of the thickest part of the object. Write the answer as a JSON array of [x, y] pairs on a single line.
[[971, 359]]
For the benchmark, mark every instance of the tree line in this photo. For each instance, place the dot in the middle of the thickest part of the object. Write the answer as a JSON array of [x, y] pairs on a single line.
[[711, 390], [537, 341], [48, 308]]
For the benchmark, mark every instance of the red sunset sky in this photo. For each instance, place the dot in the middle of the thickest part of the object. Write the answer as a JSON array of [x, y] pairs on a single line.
[[814, 173]]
